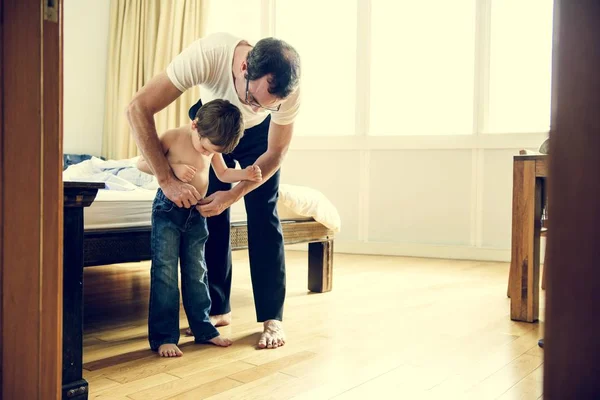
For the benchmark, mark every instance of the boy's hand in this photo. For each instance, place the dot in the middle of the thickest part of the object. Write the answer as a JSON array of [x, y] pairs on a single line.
[[184, 172], [253, 173]]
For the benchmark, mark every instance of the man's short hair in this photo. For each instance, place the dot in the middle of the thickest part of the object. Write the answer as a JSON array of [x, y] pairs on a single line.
[[278, 59]]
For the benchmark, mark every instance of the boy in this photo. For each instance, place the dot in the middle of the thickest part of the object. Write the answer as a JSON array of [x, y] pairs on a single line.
[[181, 232]]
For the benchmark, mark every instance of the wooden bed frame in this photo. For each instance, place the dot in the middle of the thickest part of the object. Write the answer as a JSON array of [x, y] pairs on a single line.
[[122, 245]]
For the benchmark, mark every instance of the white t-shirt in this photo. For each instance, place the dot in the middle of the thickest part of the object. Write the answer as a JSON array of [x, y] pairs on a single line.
[[208, 62]]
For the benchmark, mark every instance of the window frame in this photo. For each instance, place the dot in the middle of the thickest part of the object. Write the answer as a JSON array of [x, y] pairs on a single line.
[[361, 139]]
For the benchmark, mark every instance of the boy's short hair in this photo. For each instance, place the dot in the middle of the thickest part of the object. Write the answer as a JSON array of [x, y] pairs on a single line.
[[221, 122]]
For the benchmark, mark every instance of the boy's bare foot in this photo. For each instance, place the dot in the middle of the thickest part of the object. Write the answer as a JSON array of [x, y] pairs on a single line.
[[221, 341], [272, 336], [169, 350], [216, 320]]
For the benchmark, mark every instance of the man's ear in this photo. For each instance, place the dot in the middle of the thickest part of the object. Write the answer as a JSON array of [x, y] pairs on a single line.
[[244, 67], [195, 125]]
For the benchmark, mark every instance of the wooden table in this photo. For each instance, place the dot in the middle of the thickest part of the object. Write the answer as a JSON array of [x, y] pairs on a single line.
[[529, 180], [77, 195]]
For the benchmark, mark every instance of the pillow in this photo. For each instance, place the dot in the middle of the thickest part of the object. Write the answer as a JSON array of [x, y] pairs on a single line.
[[286, 213], [310, 202]]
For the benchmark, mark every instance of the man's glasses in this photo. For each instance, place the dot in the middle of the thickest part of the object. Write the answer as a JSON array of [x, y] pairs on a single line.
[[254, 103]]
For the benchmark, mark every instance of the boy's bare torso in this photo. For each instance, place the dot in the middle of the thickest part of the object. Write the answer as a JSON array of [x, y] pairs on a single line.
[[182, 151]]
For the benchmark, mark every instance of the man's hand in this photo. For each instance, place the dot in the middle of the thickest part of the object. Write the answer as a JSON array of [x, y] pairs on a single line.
[[180, 193], [253, 173], [215, 204], [184, 172]]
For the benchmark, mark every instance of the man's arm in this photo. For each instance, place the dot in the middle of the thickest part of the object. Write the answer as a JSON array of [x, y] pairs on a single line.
[[157, 94], [166, 140], [280, 137]]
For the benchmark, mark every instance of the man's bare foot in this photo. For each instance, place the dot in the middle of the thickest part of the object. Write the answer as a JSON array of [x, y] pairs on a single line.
[[216, 320], [169, 350], [221, 341], [273, 336]]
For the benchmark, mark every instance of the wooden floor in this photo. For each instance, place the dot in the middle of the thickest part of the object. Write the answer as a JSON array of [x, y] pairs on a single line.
[[392, 328]]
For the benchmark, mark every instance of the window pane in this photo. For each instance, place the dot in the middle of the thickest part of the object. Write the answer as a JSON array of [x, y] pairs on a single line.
[[328, 57], [520, 66], [422, 67], [240, 18]]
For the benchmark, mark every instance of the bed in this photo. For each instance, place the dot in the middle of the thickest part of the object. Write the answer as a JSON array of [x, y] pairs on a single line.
[[117, 230]]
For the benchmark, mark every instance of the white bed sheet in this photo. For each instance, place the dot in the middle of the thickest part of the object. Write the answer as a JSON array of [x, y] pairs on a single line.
[[128, 200], [119, 209]]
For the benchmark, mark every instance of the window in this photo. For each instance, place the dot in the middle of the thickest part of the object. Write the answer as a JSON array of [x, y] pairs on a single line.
[[324, 34], [422, 67], [240, 18], [520, 66], [423, 70]]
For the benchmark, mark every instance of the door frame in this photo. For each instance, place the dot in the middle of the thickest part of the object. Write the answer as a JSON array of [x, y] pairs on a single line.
[[31, 200]]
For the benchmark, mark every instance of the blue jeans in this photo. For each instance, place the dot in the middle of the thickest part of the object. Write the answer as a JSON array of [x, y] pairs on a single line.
[[178, 234]]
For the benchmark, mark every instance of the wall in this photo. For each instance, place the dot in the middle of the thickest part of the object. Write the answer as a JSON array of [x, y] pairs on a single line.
[[453, 200], [86, 25]]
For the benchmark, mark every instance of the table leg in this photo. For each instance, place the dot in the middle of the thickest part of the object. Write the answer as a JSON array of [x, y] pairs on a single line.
[[526, 225], [320, 266], [74, 386]]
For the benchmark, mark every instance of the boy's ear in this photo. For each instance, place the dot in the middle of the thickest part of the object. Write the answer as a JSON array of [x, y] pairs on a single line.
[[195, 125]]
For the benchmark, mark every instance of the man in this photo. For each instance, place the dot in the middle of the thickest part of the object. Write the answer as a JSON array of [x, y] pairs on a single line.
[[263, 81]]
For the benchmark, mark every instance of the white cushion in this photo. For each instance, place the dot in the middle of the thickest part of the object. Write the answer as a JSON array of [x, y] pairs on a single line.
[[309, 202]]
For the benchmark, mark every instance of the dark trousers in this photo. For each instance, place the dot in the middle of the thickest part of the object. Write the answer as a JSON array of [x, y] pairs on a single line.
[[265, 237]]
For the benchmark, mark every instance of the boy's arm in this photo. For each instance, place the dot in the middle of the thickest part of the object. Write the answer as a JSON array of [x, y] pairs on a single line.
[[143, 166], [232, 175]]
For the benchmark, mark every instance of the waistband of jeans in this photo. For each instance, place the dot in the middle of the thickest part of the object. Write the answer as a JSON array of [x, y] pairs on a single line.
[[161, 196]]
